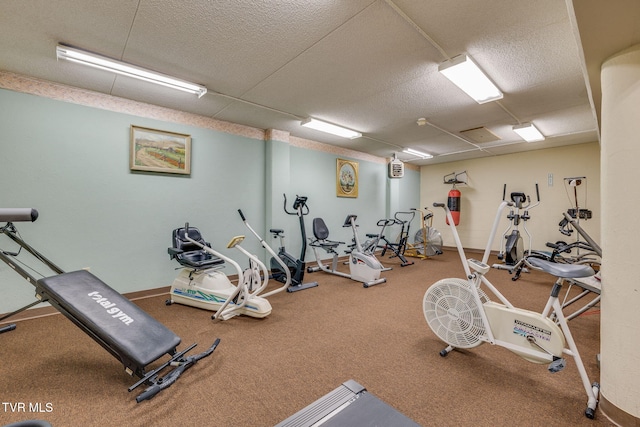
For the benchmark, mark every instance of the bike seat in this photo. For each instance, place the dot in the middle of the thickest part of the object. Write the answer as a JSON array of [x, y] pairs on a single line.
[[276, 231], [325, 244], [561, 270]]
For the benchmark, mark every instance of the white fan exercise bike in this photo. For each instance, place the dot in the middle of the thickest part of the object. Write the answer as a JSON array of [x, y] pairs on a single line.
[[461, 314]]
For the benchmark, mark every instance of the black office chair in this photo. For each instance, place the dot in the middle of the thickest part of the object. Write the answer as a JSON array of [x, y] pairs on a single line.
[[189, 254]]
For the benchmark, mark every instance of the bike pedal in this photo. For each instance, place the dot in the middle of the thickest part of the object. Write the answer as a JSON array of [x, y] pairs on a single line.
[[557, 365]]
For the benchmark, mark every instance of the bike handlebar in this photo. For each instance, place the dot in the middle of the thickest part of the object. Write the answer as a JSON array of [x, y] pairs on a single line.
[[412, 214], [18, 214]]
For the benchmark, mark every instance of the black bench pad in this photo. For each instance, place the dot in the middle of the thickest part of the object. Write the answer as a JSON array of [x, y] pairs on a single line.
[[131, 333]]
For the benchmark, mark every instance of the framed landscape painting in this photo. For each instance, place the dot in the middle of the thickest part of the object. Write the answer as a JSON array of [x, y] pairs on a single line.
[[155, 150]]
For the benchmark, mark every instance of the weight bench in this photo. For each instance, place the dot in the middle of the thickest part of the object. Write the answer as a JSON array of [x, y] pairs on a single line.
[[117, 324], [121, 327]]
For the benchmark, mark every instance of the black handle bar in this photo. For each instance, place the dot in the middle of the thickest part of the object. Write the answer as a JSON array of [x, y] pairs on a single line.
[[173, 376], [504, 194], [241, 214], [299, 205], [411, 213]]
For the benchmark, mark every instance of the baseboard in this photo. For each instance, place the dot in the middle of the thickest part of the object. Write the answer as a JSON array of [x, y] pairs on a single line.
[[469, 250], [37, 312], [617, 415]]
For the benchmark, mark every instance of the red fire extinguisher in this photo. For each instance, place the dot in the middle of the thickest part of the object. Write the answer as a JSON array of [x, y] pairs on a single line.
[[453, 202]]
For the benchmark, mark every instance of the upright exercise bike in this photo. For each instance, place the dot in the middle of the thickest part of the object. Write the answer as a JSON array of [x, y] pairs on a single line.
[[296, 266]]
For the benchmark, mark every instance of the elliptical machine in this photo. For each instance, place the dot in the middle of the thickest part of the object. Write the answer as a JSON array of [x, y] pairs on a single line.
[[512, 250], [296, 266], [363, 266]]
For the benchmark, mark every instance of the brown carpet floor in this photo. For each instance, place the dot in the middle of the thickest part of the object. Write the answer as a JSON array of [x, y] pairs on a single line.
[[314, 340]]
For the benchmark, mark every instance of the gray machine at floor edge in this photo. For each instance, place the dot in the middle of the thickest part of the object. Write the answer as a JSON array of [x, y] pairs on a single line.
[[348, 405]]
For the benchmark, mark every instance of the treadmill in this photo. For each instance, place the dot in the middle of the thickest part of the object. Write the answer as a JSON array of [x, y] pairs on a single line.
[[348, 405]]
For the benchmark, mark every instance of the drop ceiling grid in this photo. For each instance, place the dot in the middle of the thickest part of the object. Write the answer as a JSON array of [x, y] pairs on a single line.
[[374, 52], [235, 47]]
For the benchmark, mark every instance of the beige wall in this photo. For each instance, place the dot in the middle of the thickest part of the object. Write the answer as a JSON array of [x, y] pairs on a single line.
[[483, 192], [620, 340]]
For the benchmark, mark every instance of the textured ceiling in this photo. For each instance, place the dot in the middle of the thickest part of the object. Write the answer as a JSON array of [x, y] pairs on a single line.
[[369, 65]]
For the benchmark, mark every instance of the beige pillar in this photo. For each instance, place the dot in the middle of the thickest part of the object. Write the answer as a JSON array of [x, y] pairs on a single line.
[[620, 186]]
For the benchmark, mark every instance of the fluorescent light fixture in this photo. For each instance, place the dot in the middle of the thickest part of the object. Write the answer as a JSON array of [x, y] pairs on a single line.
[[417, 153], [108, 64], [465, 74], [329, 128], [528, 132]]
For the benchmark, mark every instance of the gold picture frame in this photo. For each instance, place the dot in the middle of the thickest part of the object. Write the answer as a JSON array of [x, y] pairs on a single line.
[[346, 178], [154, 150]]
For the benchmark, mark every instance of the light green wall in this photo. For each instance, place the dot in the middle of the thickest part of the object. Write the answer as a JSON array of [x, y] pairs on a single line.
[[314, 175], [71, 162]]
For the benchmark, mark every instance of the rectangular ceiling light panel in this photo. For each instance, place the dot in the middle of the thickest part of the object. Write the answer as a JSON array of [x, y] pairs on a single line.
[[465, 74], [330, 128], [417, 153], [528, 132], [103, 63]]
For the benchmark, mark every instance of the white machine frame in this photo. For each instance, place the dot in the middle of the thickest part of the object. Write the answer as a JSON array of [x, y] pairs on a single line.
[[363, 266], [226, 299], [536, 337], [211, 289]]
